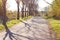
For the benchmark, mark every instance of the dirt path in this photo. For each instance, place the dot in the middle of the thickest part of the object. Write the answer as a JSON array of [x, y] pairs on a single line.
[[35, 28]]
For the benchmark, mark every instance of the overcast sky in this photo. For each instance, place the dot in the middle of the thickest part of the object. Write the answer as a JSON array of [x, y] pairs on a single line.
[[43, 4], [11, 4]]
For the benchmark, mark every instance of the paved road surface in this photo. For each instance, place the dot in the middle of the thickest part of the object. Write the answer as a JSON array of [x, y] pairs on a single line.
[[35, 28]]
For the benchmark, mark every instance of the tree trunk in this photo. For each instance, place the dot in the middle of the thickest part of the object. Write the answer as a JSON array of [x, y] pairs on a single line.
[[18, 12], [4, 13], [23, 11]]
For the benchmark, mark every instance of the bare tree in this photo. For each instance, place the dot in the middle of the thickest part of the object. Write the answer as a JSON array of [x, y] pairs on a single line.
[[25, 6], [32, 7], [18, 2], [4, 11], [22, 8]]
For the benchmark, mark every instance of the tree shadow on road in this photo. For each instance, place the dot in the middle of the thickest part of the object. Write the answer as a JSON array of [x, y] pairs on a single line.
[[27, 25], [12, 35], [8, 33], [35, 31]]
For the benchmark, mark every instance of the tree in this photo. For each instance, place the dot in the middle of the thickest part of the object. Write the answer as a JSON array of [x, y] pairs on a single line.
[[25, 4], [30, 5], [22, 8], [0, 8], [56, 8], [18, 2], [33, 7], [4, 11], [48, 11]]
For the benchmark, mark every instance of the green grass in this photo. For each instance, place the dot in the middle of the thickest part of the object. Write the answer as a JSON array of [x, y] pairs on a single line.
[[55, 24], [13, 22]]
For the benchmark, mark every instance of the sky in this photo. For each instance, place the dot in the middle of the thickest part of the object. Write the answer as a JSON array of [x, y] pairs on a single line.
[[43, 4], [11, 4]]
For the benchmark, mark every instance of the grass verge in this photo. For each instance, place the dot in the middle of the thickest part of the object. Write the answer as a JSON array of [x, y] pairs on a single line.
[[55, 24]]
